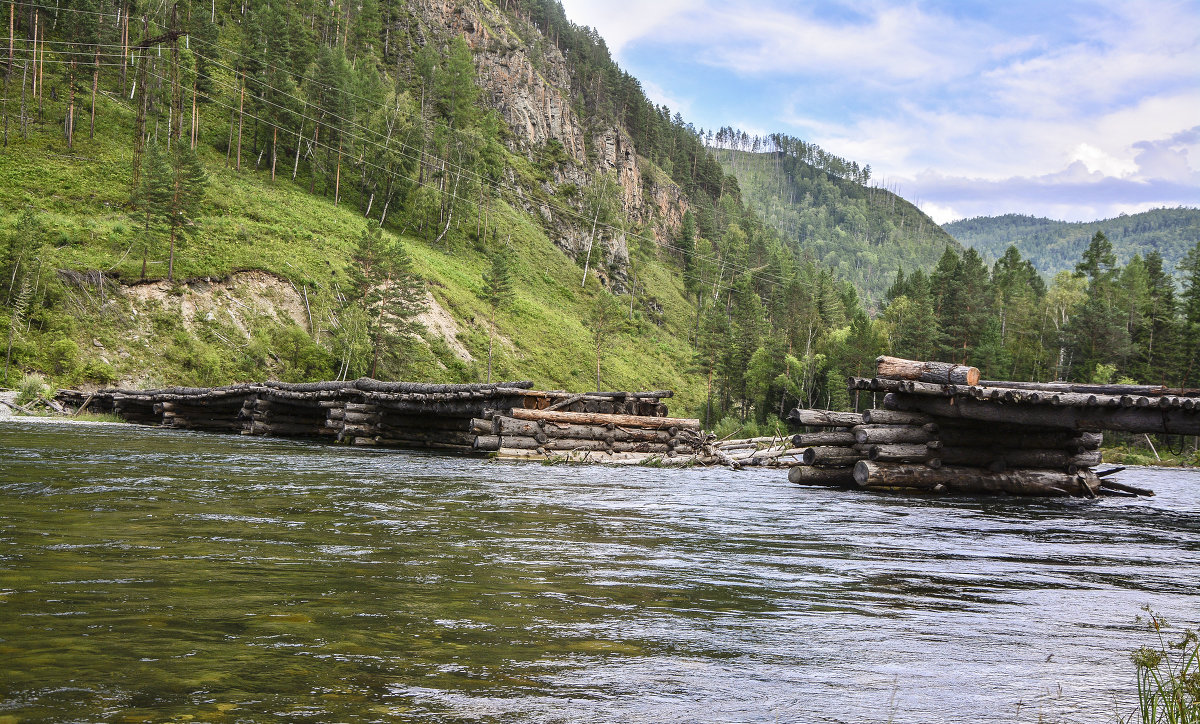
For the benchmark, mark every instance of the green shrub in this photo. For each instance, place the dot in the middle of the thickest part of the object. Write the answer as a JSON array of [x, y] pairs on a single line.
[[31, 387], [99, 372], [62, 357]]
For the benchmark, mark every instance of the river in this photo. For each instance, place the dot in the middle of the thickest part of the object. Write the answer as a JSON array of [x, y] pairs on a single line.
[[149, 574]]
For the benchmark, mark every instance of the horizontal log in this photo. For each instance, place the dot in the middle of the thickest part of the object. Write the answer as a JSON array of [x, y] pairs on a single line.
[[895, 417], [639, 447], [286, 430], [833, 438], [480, 426], [507, 426], [583, 418], [1151, 390], [970, 480], [1073, 441], [1146, 420], [601, 432], [938, 372], [1004, 459], [902, 453], [890, 434], [831, 457], [824, 418], [1107, 483], [486, 442], [828, 477]]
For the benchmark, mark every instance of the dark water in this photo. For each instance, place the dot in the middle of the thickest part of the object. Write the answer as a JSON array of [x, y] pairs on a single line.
[[150, 575]]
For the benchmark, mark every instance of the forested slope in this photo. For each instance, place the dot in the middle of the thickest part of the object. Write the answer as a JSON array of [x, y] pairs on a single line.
[[1055, 246], [827, 208]]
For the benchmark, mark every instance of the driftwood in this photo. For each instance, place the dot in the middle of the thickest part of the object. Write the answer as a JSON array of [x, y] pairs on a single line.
[[1106, 483], [940, 372]]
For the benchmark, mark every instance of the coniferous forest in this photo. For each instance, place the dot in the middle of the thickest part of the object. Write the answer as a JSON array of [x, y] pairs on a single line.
[[359, 154]]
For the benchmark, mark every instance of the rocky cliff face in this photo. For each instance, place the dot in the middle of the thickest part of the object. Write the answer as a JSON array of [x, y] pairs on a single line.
[[531, 88]]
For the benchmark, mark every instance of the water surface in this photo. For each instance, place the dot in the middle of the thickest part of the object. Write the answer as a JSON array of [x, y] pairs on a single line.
[[150, 574]]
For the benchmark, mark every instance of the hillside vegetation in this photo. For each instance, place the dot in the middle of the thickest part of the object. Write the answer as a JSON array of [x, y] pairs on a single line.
[[831, 213], [1055, 246]]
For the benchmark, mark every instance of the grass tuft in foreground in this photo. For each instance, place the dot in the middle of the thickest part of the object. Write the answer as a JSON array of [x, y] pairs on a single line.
[[1168, 676]]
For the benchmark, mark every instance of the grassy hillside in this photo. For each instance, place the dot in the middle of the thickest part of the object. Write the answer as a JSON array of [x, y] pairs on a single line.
[[81, 329], [1055, 246], [863, 233]]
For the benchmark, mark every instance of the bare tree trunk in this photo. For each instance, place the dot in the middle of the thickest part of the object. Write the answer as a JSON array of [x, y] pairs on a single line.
[[69, 121], [337, 186], [241, 111], [274, 144], [95, 87]]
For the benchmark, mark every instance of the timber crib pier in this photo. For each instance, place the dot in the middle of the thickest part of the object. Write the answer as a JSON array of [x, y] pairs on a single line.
[[506, 418], [942, 429]]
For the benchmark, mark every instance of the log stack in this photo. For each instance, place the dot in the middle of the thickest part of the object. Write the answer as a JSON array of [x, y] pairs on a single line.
[[942, 429], [588, 436], [829, 449]]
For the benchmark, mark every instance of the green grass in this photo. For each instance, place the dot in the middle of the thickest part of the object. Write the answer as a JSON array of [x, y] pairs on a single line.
[[250, 223], [1168, 676]]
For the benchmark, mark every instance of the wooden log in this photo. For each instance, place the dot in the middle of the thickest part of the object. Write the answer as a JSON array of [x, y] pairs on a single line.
[[902, 453], [601, 432], [1151, 390], [1008, 458], [970, 480], [639, 447], [828, 477], [895, 417], [955, 436], [831, 457], [286, 430], [890, 434], [582, 418], [939, 372], [837, 438], [507, 426], [480, 426], [824, 418], [1144, 420]]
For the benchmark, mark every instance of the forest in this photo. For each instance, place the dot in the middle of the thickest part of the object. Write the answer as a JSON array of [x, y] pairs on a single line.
[[1055, 246], [347, 148]]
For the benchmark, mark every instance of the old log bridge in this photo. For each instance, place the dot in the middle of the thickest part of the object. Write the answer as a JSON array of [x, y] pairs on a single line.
[[942, 429], [507, 418]]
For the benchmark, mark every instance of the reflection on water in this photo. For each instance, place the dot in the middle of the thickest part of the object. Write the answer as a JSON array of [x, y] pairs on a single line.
[[149, 574]]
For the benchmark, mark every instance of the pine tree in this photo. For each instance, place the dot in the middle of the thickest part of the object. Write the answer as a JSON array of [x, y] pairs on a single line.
[[154, 195], [497, 292], [606, 319], [1189, 364]]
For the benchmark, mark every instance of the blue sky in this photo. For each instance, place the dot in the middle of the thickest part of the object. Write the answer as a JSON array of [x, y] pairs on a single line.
[[1072, 110]]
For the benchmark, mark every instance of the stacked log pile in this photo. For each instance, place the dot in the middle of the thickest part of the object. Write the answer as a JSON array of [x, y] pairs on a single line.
[[829, 450], [588, 436], [942, 429]]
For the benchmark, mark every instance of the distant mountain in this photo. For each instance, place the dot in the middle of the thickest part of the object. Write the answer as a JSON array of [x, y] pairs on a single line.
[[1054, 246], [864, 233]]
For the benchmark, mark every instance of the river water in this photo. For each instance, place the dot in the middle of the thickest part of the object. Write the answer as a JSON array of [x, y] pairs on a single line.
[[148, 575]]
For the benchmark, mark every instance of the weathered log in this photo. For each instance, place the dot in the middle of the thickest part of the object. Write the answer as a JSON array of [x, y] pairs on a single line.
[[601, 432], [1006, 458], [890, 434], [955, 436], [939, 372], [639, 447], [894, 417], [480, 426], [1013, 482], [824, 418], [902, 453], [1145, 420], [1152, 390], [832, 438], [583, 418], [519, 443], [828, 477], [486, 442], [286, 430], [508, 426], [831, 457]]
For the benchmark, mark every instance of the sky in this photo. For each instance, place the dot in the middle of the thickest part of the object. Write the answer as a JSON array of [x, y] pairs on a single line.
[[1073, 110]]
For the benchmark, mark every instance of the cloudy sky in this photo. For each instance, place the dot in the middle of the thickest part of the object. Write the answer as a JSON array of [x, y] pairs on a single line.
[[1074, 110]]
